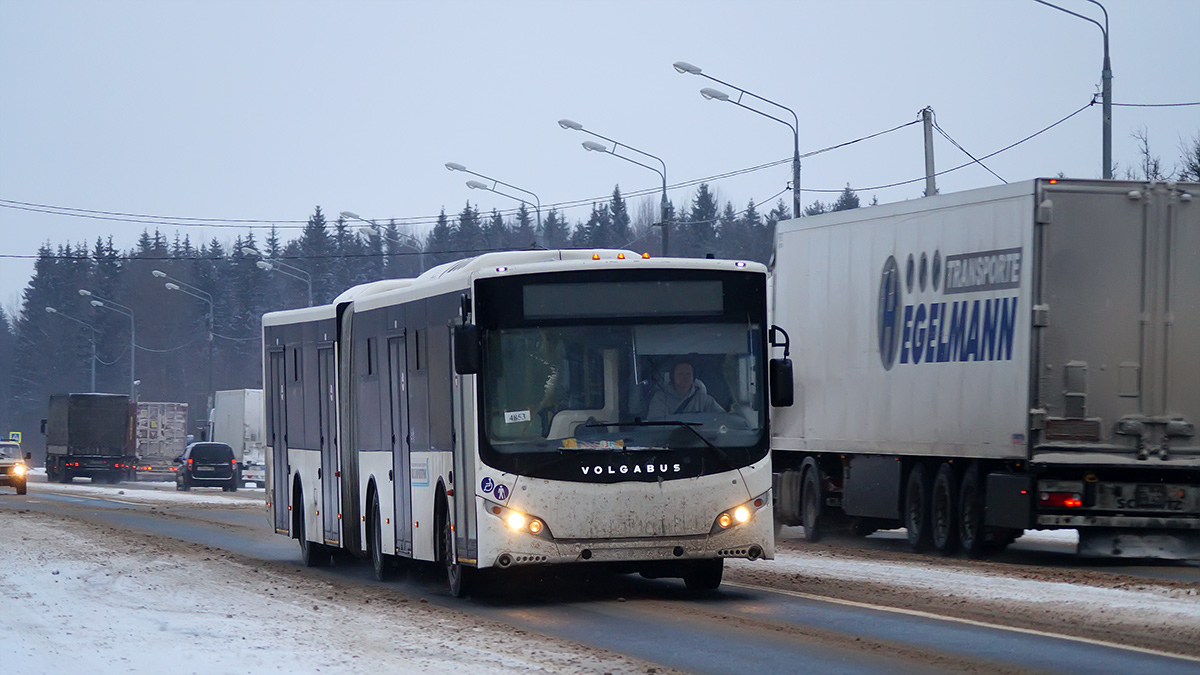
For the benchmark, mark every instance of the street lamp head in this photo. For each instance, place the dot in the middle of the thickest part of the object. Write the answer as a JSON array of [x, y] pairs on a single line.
[[686, 68], [159, 273], [52, 310], [570, 125], [477, 185], [350, 215], [253, 253], [714, 94], [594, 146], [97, 303], [85, 292], [171, 287], [264, 265], [455, 166]]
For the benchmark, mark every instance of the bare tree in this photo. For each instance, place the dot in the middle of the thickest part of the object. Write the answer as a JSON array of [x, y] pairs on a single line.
[[1189, 160], [1150, 165]]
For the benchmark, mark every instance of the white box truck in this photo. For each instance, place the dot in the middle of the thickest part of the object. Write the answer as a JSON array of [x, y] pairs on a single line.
[[237, 419], [972, 365]]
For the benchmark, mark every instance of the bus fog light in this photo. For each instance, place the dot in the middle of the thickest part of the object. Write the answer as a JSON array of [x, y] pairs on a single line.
[[535, 526], [516, 521], [741, 514], [725, 520]]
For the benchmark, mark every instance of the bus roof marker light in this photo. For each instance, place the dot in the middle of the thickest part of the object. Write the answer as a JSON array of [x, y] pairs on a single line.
[[739, 264], [646, 256], [595, 256], [620, 256], [501, 269]]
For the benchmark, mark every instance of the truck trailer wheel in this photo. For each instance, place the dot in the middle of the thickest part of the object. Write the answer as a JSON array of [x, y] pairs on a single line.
[[971, 532], [916, 508], [944, 511], [811, 501]]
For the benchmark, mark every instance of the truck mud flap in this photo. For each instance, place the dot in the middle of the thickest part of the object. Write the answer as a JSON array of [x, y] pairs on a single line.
[[1104, 542]]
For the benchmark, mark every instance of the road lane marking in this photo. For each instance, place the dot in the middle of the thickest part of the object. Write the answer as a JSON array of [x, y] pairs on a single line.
[[969, 622]]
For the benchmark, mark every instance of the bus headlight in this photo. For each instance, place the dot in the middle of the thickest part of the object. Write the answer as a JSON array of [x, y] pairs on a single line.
[[742, 513], [517, 521]]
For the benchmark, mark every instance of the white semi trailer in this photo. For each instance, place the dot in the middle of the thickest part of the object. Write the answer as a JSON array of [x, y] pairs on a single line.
[[972, 365], [237, 419]]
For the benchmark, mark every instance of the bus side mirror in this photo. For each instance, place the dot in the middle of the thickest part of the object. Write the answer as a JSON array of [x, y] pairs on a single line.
[[467, 349], [782, 387]]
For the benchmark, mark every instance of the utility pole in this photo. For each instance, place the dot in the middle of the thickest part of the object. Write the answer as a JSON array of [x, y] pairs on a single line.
[[930, 182]]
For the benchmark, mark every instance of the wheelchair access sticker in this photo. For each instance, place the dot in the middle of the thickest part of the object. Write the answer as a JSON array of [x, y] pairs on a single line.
[[487, 484]]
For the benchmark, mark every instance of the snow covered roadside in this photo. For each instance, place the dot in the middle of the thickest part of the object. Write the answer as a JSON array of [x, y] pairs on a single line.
[[72, 601], [140, 493], [1168, 607], [1096, 604]]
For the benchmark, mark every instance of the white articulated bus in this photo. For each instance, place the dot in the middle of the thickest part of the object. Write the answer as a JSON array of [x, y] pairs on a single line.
[[529, 408]]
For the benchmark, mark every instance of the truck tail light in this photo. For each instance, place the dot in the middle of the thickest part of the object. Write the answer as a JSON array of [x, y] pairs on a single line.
[[1068, 500]]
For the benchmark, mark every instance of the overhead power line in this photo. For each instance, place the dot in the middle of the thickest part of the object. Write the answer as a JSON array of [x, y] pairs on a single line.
[[287, 224]]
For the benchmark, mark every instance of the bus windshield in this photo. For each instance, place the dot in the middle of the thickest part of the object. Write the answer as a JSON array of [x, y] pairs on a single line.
[[630, 387]]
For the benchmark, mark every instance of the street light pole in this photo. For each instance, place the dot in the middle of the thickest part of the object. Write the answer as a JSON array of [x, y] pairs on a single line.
[[476, 185], [1105, 86], [794, 125], [593, 146], [413, 242], [117, 307], [275, 265], [173, 284], [90, 327]]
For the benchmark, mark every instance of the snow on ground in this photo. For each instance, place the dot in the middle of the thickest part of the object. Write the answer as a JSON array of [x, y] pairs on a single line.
[[72, 601], [1163, 605], [158, 494]]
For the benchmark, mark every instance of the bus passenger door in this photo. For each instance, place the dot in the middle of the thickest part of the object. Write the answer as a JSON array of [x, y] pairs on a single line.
[[466, 537], [326, 417], [277, 456], [400, 444]]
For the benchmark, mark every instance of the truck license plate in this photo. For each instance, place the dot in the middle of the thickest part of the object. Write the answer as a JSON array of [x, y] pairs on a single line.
[[1151, 496]]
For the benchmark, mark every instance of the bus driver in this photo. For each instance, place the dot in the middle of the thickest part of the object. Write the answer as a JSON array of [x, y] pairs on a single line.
[[684, 394]]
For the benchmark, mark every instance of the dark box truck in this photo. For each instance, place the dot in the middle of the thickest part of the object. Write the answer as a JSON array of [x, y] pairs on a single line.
[[89, 435]]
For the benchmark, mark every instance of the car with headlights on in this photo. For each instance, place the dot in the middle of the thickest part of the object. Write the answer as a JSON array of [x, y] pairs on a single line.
[[14, 467], [208, 464]]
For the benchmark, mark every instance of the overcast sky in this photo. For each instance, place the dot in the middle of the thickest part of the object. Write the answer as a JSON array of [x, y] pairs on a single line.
[[263, 110]]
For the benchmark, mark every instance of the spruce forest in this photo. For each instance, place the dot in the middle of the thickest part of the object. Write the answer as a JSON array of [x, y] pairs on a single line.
[[188, 316]]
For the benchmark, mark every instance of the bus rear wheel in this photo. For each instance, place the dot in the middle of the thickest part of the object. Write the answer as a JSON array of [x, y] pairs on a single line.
[[311, 553], [382, 563]]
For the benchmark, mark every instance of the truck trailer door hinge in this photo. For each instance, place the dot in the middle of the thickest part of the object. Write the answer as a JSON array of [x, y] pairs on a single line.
[[1041, 316], [1045, 212]]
